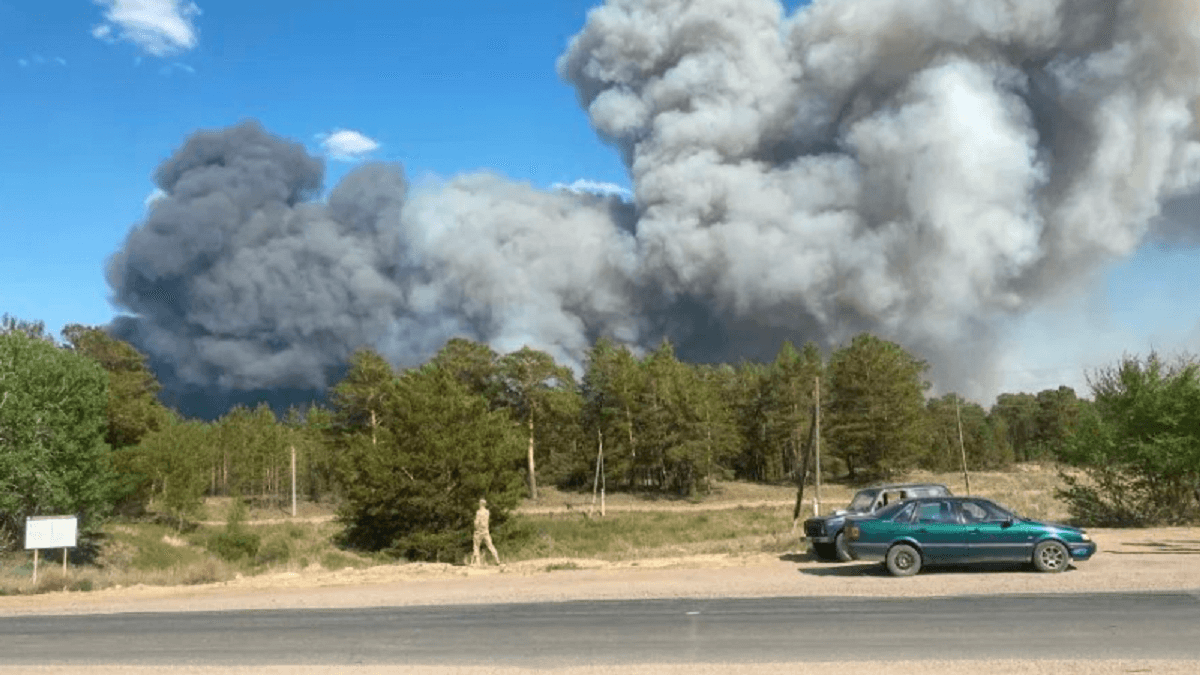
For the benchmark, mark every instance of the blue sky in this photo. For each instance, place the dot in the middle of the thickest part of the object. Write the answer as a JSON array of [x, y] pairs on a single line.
[[89, 109], [441, 87]]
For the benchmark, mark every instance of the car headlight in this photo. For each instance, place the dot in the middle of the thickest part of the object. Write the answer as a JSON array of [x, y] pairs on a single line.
[[1084, 536]]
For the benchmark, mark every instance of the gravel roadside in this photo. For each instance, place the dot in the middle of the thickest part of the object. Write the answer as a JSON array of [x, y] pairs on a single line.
[[1128, 560]]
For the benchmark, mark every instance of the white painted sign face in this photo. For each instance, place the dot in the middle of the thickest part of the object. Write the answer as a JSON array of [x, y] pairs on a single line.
[[51, 531]]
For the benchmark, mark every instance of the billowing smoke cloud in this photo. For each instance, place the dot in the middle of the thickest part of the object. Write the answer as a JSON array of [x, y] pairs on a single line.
[[923, 169]]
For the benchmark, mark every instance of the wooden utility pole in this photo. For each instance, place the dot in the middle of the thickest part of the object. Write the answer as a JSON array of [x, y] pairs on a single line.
[[293, 481], [596, 480], [962, 447], [817, 444], [814, 436]]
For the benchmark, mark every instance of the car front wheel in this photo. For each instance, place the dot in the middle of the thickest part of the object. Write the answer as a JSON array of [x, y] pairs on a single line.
[[1050, 556], [903, 560]]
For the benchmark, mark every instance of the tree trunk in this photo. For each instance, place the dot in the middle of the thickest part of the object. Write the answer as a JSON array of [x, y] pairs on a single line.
[[631, 477], [708, 459], [532, 472], [374, 426], [629, 427]]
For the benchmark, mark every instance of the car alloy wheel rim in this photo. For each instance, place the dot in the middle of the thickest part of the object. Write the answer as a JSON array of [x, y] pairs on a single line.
[[904, 561], [1052, 557]]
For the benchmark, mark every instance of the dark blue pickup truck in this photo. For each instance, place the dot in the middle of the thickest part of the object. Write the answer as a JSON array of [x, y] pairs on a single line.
[[824, 533]]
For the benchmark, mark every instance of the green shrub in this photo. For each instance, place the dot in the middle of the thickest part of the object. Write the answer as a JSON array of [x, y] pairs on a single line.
[[155, 554], [234, 546], [207, 571], [431, 546], [275, 551], [336, 560]]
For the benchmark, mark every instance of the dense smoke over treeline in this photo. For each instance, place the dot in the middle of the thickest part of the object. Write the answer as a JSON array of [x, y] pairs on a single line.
[[920, 169]]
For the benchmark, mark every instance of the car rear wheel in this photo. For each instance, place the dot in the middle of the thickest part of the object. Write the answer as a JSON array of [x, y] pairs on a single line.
[[903, 560], [839, 546], [1050, 556]]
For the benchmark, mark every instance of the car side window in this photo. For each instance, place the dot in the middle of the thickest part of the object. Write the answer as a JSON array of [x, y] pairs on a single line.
[[974, 513], [936, 512], [983, 512]]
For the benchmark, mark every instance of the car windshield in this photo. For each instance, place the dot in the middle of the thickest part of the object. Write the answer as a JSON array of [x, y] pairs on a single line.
[[862, 501]]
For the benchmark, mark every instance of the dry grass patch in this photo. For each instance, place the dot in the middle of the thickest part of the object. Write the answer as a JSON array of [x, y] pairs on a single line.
[[735, 519], [1028, 489]]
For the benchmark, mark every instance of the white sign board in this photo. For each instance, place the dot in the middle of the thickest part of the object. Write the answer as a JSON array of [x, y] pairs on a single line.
[[51, 531]]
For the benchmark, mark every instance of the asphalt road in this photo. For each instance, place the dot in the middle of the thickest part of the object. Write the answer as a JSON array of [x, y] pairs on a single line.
[[1102, 626]]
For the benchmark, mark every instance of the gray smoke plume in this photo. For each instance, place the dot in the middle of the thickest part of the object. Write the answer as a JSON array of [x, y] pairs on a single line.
[[924, 169], [236, 282], [919, 168]]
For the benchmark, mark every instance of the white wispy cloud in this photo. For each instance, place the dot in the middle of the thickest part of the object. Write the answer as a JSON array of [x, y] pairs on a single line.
[[158, 27], [176, 66], [39, 60], [347, 145], [594, 187]]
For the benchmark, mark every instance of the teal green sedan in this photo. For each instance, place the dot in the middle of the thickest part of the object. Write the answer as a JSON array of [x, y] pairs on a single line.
[[959, 530]]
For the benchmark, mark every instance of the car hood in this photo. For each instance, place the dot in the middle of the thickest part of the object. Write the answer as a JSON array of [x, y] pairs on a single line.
[[1055, 526], [839, 515]]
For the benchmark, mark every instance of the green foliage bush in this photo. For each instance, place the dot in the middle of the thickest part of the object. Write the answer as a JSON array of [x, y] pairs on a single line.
[[1139, 446], [235, 542], [234, 546], [53, 458], [156, 555], [337, 560], [448, 547], [273, 551], [207, 571]]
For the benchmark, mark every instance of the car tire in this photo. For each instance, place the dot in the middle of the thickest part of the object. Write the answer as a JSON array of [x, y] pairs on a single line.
[[1051, 556], [839, 548], [903, 560], [824, 551]]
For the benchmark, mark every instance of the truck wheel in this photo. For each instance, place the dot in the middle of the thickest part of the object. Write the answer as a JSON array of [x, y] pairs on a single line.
[[903, 560], [824, 551]]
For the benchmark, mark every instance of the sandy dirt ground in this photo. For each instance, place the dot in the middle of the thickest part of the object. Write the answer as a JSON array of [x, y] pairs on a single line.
[[1128, 560]]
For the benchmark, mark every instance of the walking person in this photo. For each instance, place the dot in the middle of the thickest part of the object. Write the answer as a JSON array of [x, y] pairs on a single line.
[[482, 535]]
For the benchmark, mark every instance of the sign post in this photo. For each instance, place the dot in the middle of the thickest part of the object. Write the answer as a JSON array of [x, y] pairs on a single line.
[[50, 532]]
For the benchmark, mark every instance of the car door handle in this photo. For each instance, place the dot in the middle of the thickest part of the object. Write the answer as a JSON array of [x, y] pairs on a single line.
[[922, 531]]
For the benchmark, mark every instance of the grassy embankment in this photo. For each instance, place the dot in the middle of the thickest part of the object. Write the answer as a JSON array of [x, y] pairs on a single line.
[[737, 519]]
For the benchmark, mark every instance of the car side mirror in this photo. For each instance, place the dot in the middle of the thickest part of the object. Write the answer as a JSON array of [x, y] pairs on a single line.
[[1008, 522]]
